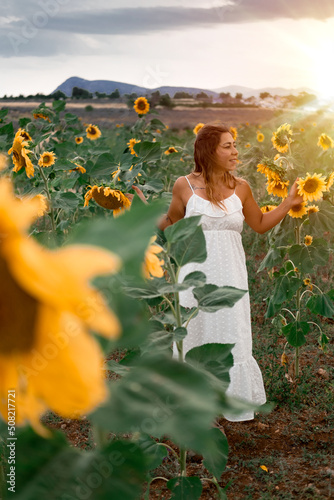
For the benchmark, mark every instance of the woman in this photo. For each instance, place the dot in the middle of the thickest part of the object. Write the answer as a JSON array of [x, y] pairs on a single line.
[[224, 202]]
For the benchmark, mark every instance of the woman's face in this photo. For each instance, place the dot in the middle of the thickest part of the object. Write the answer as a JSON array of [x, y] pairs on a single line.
[[227, 153]]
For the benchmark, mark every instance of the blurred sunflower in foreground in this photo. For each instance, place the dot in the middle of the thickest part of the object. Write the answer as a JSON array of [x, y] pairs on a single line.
[[47, 355], [107, 197], [153, 266]]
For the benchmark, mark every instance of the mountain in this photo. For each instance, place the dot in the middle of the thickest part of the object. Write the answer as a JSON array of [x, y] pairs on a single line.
[[109, 86]]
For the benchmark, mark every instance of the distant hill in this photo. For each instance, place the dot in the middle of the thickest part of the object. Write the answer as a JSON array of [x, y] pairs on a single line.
[[109, 86]]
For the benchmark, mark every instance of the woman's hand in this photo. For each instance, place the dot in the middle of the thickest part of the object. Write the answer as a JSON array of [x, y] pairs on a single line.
[[139, 193], [293, 196]]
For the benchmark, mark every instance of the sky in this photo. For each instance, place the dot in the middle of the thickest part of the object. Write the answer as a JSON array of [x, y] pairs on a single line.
[[199, 43]]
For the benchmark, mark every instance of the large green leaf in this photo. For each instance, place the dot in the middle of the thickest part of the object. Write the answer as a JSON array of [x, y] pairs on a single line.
[[154, 452], [323, 220], [192, 249], [104, 166], [295, 332], [127, 235], [285, 288], [161, 396], [182, 229], [66, 201], [185, 488], [307, 257], [321, 304], [212, 297], [273, 258], [216, 464], [159, 339], [49, 468], [148, 151], [214, 358]]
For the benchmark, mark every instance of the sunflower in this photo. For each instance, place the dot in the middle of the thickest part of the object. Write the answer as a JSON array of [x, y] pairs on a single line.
[[78, 168], [312, 187], [79, 140], [263, 169], [141, 106], [234, 132], [278, 188], [171, 150], [268, 208], [152, 266], [131, 144], [93, 132], [306, 281], [282, 138], [3, 162], [198, 128], [308, 240], [119, 125], [23, 133], [259, 136], [47, 355], [325, 142], [106, 197], [298, 211], [330, 181], [248, 145], [312, 209], [41, 115], [47, 159], [20, 156], [43, 203]]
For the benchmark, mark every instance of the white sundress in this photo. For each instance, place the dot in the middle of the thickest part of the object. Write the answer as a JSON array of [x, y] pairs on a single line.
[[225, 266]]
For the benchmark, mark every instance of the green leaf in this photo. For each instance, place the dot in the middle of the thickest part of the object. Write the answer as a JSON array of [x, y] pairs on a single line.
[[307, 257], [70, 118], [104, 166], [66, 201], [148, 151], [49, 468], [63, 164], [285, 288], [64, 149], [58, 105], [195, 278], [127, 235], [212, 297], [216, 463], [154, 185], [180, 333], [153, 451], [272, 259], [183, 229], [323, 220], [214, 358], [192, 249], [159, 340], [8, 130], [295, 333], [160, 396], [321, 304], [185, 488]]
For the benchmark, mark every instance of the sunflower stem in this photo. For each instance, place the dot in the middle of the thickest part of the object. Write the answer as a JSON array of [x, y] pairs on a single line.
[[46, 187], [297, 235]]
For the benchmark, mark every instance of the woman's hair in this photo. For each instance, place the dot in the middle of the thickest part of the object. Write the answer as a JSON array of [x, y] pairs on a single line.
[[206, 143]]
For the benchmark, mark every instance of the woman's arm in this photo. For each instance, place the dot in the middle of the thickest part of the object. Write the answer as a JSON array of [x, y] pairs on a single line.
[[263, 222], [177, 207]]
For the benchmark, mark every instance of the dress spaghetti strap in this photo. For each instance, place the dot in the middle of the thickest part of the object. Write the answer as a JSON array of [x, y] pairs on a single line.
[[189, 184]]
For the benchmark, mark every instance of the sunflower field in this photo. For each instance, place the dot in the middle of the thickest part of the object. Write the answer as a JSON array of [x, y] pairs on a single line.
[[89, 300]]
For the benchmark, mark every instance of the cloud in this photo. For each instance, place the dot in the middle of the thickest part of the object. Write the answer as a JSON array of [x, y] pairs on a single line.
[[37, 27]]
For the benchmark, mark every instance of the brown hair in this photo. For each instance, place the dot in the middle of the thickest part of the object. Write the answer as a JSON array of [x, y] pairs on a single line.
[[206, 143]]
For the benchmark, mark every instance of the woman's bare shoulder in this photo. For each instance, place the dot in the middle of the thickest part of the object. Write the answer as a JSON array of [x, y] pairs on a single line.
[[243, 189]]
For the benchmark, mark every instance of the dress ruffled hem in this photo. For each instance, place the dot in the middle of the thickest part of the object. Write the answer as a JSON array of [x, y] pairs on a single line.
[[247, 385]]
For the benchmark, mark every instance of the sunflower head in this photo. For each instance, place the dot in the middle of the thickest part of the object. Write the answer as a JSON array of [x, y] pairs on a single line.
[[171, 150], [131, 144], [42, 116], [198, 128], [312, 187], [312, 209], [259, 136], [153, 266], [78, 168], [308, 240], [248, 145], [3, 162], [106, 197], [93, 132], [282, 138], [24, 134], [267, 208], [47, 159], [278, 188], [330, 181], [141, 106], [306, 281], [325, 142], [20, 156], [79, 140], [298, 211]]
